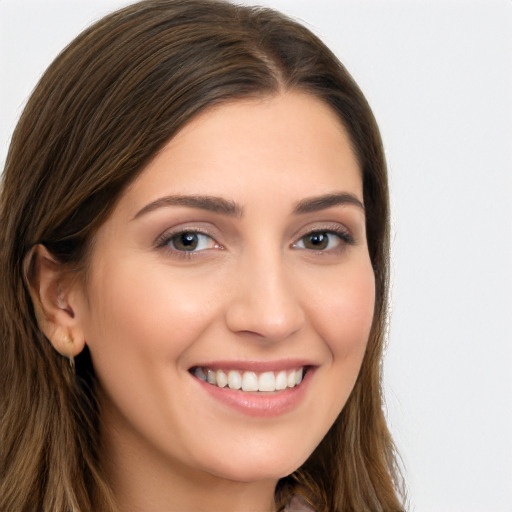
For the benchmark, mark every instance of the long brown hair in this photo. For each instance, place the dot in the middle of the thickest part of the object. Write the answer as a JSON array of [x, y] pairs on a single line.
[[104, 108]]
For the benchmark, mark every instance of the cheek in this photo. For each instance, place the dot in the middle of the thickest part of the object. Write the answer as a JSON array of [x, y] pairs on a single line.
[[143, 310], [341, 314], [345, 312], [140, 324]]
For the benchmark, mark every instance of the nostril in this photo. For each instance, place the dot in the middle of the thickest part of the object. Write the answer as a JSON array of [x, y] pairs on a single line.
[[265, 302], [265, 322]]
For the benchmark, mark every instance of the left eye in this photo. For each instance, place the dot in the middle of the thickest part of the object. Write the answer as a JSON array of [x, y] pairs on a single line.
[[190, 241], [319, 241]]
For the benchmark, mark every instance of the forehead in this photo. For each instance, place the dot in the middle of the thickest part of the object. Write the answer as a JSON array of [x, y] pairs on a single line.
[[291, 144]]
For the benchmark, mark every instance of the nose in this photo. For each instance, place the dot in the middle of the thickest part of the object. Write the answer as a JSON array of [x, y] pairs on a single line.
[[265, 301]]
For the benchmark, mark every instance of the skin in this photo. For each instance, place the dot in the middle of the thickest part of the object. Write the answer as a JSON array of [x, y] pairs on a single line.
[[254, 290]]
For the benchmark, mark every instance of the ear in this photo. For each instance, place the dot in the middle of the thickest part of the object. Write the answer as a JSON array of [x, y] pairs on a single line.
[[56, 294]]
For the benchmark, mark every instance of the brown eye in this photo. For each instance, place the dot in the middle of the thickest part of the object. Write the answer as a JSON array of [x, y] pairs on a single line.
[[189, 241], [323, 240], [316, 241]]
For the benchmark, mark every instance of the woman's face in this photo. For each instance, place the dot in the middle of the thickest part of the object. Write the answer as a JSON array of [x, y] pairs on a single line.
[[239, 256]]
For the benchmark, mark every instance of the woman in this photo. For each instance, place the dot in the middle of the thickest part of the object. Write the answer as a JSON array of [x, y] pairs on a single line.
[[194, 245]]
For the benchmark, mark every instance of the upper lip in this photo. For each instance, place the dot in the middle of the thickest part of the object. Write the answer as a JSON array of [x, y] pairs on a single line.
[[256, 366]]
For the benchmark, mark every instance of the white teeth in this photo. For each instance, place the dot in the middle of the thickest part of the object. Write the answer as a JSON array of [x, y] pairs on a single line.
[[281, 380], [234, 380], [211, 377], [222, 379], [267, 381], [251, 381]]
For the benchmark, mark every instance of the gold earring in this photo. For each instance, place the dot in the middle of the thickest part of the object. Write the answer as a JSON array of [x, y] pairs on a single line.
[[68, 341]]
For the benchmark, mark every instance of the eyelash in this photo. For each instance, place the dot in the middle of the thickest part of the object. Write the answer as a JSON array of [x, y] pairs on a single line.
[[164, 241], [343, 235]]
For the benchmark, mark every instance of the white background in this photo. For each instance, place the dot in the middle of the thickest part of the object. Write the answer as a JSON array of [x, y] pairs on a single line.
[[439, 78]]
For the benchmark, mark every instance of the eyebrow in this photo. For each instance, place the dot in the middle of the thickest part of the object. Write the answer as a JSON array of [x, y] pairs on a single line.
[[230, 208], [209, 203], [314, 204]]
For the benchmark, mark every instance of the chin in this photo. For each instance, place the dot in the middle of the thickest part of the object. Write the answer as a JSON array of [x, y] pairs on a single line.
[[268, 465]]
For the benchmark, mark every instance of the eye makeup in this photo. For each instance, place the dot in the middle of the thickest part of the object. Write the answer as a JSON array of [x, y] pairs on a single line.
[[187, 242]]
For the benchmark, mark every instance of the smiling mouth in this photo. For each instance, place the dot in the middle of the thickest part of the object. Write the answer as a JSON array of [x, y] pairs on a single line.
[[250, 381]]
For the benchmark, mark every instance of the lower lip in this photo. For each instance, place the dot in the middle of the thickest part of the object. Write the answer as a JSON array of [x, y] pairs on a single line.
[[261, 405]]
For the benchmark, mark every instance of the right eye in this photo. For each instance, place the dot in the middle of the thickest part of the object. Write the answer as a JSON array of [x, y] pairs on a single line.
[[189, 241]]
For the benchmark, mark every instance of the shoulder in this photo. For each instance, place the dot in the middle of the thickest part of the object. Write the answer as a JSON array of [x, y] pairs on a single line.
[[298, 504]]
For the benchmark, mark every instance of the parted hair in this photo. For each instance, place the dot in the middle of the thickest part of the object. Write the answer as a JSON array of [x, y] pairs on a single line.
[[103, 109]]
